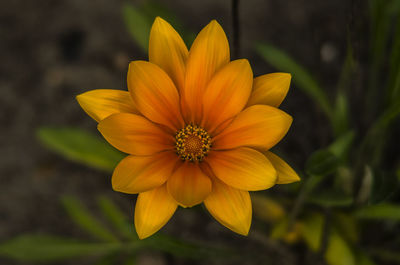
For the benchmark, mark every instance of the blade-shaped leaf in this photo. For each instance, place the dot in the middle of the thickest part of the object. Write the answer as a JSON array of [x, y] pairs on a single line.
[[321, 163], [342, 144], [283, 62], [383, 211], [330, 199], [312, 228], [81, 216], [267, 209], [138, 24], [116, 217], [338, 251], [51, 248], [80, 146]]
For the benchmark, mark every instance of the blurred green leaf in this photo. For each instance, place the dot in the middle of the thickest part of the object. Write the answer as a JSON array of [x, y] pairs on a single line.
[[363, 259], [342, 145], [81, 216], [139, 20], [390, 256], [280, 229], [312, 229], [330, 199], [321, 163], [301, 77], [384, 186], [80, 146], [347, 226], [188, 249], [267, 209], [338, 251], [341, 113], [152, 9], [130, 261], [383, 211], [394, 70], [116, 217], [138, 24], [51, 248]]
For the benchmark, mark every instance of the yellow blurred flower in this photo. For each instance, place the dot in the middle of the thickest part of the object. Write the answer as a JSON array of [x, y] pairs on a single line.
[[197, 128]]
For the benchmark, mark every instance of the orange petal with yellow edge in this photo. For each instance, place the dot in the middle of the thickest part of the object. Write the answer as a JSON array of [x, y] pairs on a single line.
[[153, 210], [154, 94], [231, 207], [101, 103], [188, 185], [135, 174], [134, 134], [258, 126], [227, 93], [209, 52], [167, 50], [270, 89], [243, 168], [286, 174]]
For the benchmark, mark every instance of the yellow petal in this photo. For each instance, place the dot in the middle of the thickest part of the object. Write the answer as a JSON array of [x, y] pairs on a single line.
[[134, 134], [167, 50], [270, 89], [153, 210], [189, 185], [209, 52], [154, 94], [227, 93], [258, 126], [230, 207], [243, 168], [286, 174], [101, 103], [135, 174]]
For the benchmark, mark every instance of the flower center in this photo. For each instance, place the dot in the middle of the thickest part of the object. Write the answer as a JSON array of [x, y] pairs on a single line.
[[192, 143]]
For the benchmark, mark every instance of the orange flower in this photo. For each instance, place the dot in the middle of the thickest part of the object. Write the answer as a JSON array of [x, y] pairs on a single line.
[[197, 128]]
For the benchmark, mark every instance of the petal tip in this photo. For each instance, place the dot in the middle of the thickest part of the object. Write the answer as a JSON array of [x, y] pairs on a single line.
[[159, 21], [81, 97], [143, 234], [214, 25], [241, 229]]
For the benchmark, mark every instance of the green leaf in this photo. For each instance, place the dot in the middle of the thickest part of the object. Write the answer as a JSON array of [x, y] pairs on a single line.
[[347, 225], [384, 186], [331, 199], [389, 256], [138, 24], [51, 248], [342, 144], [188, 249], [116, 217], [338, 251], [280, 229], [301, 77], [383, 211], [363, 259], [312, 229], [341, 113], [322, 163], [80, 215], [267, 209], [80, 146]]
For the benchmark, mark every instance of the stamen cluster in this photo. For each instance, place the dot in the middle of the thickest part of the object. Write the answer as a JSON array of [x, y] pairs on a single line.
[[192, 143]]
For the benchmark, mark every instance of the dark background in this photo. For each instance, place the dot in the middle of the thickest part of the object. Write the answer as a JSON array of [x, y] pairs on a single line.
[[51, 51]]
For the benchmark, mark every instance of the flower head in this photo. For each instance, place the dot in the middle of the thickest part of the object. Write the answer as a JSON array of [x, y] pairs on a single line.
[[197, 127]]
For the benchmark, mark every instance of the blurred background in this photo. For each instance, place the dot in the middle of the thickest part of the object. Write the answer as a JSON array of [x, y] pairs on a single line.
[[56, 201]]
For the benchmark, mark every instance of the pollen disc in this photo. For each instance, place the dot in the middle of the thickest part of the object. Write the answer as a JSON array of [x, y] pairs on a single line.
[[192, 143]]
